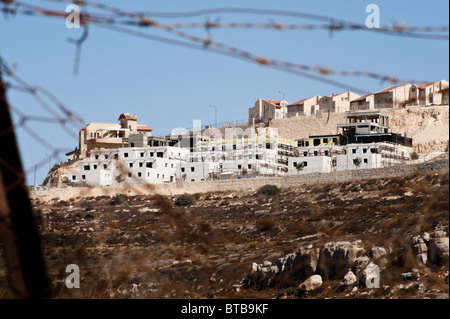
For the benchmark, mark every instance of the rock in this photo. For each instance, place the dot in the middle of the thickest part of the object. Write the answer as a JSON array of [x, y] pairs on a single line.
[[370, 277], [423, 258], [439, 234], [420, 248], [267, 263], [361, 262], [337, 257], [377, 252], [303, 263], [312, 283], [409, 275], [438, 250], [350, 278]]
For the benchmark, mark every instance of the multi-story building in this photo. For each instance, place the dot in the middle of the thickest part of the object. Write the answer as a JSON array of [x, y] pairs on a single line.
[[266, 110], [129, 165], [95, 136], [364, 141]]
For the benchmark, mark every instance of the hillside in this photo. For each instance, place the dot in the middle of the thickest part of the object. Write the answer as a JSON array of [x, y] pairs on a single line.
[[250, 245]]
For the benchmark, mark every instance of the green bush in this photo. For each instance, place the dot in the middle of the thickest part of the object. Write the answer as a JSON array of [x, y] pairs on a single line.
[[269, 190], [184, 200], [118, 199]]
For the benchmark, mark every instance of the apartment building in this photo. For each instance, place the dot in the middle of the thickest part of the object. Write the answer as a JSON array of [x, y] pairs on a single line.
[[129, 165], [265, 110], [362, 142], [95, 136]]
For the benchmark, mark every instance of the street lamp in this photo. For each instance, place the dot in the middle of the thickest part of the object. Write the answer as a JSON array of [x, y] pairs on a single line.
[[215, 113]]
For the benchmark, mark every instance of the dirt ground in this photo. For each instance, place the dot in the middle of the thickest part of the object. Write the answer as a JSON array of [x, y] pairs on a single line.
[[203, 245]]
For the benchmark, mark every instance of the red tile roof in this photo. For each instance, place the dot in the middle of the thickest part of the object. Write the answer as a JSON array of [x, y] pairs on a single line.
[[425, 85], [299, 102], [127, 116], [361, 98], [274, 102], [144, 128], [389, 88]]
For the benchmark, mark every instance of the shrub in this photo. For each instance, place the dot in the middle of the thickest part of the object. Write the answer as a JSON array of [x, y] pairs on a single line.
[[269, 190], [414, 156], [184, 200], [118, 199]]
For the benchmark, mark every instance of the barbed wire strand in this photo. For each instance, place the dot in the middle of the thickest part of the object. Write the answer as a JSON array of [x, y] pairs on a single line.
[[207, 42]]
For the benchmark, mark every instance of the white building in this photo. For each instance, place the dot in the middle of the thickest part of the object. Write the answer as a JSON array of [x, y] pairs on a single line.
[[129, 165]]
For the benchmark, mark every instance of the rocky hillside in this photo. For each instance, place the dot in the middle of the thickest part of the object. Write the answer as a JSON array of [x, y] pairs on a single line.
[[313, 241]]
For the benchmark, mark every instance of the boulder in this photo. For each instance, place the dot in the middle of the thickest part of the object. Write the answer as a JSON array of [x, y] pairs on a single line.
[[312, 283], [438, 250], [337, 257], [350, 278], [301, 264], [377, 252], [370, 277]]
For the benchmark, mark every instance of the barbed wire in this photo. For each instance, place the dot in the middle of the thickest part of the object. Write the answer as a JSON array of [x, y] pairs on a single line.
[[70, 122], [139, 19]]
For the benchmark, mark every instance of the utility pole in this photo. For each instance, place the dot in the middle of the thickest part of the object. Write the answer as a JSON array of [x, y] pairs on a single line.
[[27, 274]]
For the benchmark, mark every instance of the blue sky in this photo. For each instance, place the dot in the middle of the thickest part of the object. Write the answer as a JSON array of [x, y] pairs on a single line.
[[169, 86]]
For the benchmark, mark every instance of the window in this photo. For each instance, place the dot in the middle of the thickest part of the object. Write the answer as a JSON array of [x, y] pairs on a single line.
[[106, 156], [87, 167], [305, 153], [294, 164], [160, 154], [240, 157], [192, 169], [182, 169], [326, 153], [131, 144], [354, 151], [171, 165], [325, 140], [142, 154], [373, 151], [116, 156], [249, 166], [192, 180], [149, 165], [165, 165], [139, 174], [316, 153], [366, 160], [96, 157], [239, 166], [258, 156], [250, 146], [305, 164], [259, 145], [316, 141], [74, 177], [141, 164], [130, 164], [268, 146], [364, 150], [151, 154], [250, 156], [95, 166], [83, 177], [157, 175], [234, 146], [105, 166], [125, 154], [129, 174]]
